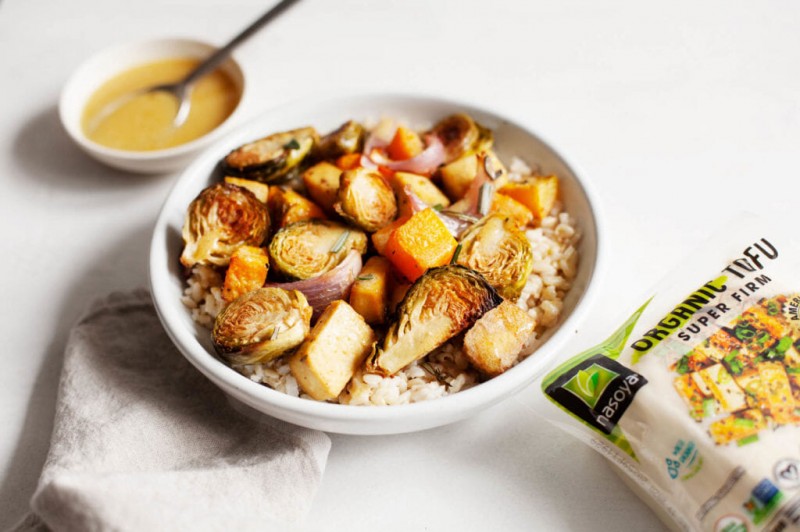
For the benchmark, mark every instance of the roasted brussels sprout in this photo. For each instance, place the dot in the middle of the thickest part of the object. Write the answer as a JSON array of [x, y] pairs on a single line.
[[365, 199], [262, 325], [348, 138], [498, 250], [459, 133], [310, 248], [272, 158], [220, 219], [439, 305]]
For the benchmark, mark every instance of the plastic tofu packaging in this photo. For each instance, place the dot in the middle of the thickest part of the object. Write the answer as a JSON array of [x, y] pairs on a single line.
[[696, 396]]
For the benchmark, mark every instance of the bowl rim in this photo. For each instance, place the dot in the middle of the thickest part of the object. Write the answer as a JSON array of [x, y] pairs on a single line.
[[75, 80], [484, 394]]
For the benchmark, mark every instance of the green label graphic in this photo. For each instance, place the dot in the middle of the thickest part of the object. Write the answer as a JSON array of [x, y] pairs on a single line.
[[590, 383]]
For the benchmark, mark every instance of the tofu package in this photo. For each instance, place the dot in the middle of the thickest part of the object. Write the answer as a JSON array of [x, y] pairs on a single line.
[[696, 396]]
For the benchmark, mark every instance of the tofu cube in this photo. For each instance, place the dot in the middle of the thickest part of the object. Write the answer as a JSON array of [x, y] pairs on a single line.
[[322, 184], [336, 347], [497, 338]]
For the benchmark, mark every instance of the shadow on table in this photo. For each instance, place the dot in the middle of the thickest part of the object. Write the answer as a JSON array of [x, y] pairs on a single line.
[[122, 267], [47, 155]]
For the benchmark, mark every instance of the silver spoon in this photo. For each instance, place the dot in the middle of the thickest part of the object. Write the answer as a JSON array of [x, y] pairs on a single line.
[[182, 89]]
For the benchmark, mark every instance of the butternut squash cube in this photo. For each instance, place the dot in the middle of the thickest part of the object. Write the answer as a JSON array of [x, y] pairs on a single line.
[[495, 341], [510, 207], [246, 271], [421, 243], [538, 193], [336, 347], [404, 145]]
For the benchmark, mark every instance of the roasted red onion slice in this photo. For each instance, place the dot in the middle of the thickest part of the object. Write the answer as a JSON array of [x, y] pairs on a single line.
[[424, 164], [456, 223], [332, 285]]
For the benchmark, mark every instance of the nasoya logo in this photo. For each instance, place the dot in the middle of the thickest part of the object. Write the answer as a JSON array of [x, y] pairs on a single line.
[[598, 390], [590, 383]]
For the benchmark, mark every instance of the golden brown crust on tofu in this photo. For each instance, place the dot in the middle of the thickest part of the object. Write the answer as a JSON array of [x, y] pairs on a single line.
[[493, 344]]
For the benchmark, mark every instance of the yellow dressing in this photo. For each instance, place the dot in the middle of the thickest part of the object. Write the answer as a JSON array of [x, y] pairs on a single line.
[[144, 122]]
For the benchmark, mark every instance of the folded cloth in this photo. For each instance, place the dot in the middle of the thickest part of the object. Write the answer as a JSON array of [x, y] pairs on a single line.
[[143, 441]]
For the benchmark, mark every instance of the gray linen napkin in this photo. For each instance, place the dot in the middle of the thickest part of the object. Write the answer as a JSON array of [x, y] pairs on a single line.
[[143, 441]]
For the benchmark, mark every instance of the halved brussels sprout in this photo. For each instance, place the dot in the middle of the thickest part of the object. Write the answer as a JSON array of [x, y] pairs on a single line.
[[498, 250], [439, 305], [262, 325], [306, 249], [272, 158], [347, 138], [365, 199], [459, 133], [219, 220]]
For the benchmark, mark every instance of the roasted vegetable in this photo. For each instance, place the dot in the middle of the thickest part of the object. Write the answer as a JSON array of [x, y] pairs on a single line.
[[370, 293], [322, 184], [262, 325], [460, 134], [219, 220], [307, 249], [421, 243], [498, 250], [493, 344], [419, 185], [247, 271], [458, 175], [346, 139], [272, 158], [349, 161], [404, 145], [538, 193], [381, 237], [365, 199], [260, 190], [336, 347], [287, 206], [441, 304], [508, 206], [324, 289]]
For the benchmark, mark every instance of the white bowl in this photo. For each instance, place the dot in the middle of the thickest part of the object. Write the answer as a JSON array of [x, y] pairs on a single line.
[[167, 282], [101, 67]]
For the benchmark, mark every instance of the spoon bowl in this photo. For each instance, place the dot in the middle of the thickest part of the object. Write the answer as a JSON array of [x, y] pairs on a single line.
[[96, 70], [181, 90]]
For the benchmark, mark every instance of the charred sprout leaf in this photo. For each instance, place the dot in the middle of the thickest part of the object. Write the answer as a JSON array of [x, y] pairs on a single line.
[[262, 325], [365, 199], [348, 138], [459, 134], [497, 249], [272, 158], [439, 305], [306, 249], [219, 220]]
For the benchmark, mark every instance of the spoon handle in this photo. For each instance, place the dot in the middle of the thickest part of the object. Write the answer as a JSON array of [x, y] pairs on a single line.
[[220, 55]]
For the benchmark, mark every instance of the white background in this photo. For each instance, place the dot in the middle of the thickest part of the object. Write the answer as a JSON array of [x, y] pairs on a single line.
[[681, 113]]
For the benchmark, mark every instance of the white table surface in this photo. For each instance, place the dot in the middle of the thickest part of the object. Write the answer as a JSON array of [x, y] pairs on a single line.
[[681, 113]]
